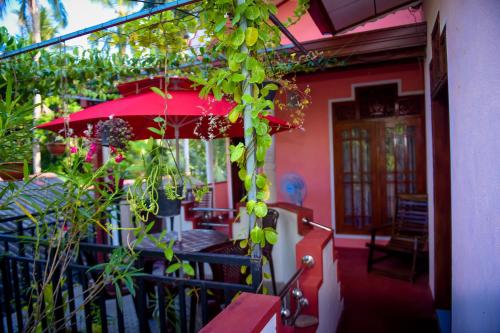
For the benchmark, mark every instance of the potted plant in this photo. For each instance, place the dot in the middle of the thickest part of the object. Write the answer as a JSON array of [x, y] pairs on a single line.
[[56, 146], [16, 137]]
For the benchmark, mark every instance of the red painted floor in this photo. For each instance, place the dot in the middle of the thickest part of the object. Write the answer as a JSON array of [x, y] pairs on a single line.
[[376, 303]]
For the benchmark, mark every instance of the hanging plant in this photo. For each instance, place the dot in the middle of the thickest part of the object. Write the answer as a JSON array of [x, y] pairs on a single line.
[[114, 132]]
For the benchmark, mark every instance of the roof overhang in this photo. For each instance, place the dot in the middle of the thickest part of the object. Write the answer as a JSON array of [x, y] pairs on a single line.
[[374, 46], [334, 16]]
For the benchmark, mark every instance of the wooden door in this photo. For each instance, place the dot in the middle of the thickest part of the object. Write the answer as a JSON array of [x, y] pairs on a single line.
[[355, 175], [379, 151]]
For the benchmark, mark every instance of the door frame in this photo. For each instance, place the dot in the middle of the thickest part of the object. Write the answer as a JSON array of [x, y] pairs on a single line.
[[376, 128], [351, 98]]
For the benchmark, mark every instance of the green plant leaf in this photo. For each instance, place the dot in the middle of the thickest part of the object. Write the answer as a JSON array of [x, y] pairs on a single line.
[[252, 35], [238, 37], [250, 206], [156, 130], [256, 235], [258, 74], [237, 152], [169, 253], [260, 209], [252, 13], [260, 181], [240, 57], [242, 174], [172, 268], [221, 22], [238, 77], [188, 269], [271, 236], [158, 91]]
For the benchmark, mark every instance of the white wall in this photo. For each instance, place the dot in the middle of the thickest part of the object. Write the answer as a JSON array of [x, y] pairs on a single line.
[[473, 44], [284, 252], [330, 303], [271, 326]]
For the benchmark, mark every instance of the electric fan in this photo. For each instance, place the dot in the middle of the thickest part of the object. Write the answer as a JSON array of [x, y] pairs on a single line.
[[293, 187]]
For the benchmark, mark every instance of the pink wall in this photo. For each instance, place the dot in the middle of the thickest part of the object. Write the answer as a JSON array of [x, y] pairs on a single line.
[[307, 152], [303, 30]]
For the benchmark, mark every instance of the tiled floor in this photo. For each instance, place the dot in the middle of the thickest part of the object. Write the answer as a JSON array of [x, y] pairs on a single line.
[[376, 303]]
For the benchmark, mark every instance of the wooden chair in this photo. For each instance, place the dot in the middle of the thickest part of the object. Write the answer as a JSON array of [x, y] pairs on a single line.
[[270, 221], [409, 235], [224, 273]]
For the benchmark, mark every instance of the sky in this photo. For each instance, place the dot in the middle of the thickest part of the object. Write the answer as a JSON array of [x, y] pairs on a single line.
[[81, 14]]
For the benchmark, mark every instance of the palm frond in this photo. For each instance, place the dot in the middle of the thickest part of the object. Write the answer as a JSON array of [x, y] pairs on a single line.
[[59, 11]]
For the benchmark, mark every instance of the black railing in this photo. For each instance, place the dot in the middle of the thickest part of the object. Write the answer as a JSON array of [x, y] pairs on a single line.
[[171, 302], [287, 293]]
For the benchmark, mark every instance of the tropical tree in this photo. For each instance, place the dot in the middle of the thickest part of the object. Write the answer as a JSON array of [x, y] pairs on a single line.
[[33, 17], [30, 15]]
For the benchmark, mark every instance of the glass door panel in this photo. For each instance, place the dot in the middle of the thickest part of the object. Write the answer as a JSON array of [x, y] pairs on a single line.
[[355, 177], [400, 164]]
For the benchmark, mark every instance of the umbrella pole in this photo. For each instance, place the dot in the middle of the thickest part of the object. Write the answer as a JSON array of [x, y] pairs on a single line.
[[177, 148]]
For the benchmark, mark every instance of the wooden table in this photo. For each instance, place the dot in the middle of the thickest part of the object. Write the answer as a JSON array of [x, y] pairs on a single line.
[[195, 240]]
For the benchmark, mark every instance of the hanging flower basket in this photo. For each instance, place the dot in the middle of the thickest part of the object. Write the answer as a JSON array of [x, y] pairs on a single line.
[[11, 171], [56, 148], [169, 207], [114, 132]]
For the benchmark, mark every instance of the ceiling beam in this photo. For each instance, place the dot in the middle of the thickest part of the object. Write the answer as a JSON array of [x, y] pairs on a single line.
[[106, 25]]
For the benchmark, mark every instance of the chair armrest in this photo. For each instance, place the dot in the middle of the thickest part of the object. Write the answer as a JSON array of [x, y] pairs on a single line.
[[374, 230]]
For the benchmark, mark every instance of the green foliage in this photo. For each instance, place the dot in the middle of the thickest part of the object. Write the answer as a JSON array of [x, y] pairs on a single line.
[[15, 124]]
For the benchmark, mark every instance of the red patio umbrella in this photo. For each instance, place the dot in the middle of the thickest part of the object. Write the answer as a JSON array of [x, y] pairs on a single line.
[[188, 116]]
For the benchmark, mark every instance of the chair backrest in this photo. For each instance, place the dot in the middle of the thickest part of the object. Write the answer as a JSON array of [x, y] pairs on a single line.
[[411, 218], [224, 272], [269, 221]]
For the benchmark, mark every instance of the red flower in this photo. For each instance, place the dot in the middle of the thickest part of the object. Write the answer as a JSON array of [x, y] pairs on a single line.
[[73, 149], [119, 158]]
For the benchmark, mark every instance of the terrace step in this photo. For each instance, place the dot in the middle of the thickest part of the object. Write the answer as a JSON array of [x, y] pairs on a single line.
[[304, 320]]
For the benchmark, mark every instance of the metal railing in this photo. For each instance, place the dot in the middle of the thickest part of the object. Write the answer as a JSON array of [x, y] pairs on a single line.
[[310, 222], [287, 292], [175, 298]]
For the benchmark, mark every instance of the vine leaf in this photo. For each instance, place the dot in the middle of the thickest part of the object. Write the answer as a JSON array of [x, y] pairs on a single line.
[[158, 91], [250, 206], [271, 236], [237, 152], [252, 35], [260, 209], [238, 37]]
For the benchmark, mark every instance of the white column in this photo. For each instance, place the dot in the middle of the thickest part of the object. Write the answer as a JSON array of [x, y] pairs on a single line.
[[187, 165], [37, 157], [229, 178], [209, 160]]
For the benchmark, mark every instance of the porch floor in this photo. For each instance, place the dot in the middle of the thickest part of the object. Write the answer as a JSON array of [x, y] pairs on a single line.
[[376, 303]]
